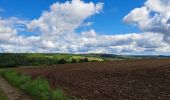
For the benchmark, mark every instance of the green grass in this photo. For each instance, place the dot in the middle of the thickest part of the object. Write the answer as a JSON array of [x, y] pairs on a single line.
[[2, 95], [94, 58], [89, 58], [38, 88], [75, 57]]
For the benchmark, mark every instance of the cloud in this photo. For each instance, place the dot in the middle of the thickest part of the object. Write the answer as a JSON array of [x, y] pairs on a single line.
[[57, 31], [9, 38], [57, 26], [132, 43], [64, 18], [152, 17]]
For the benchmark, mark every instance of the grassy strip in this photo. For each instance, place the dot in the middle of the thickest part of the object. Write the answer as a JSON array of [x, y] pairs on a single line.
[[38, 88], [2, 95]]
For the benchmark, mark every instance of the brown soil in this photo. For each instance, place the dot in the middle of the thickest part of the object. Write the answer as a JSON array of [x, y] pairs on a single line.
[[11, 92], [117, 80]]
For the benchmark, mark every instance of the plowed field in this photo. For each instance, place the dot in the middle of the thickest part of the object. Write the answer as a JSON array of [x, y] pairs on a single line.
[[116, 80]]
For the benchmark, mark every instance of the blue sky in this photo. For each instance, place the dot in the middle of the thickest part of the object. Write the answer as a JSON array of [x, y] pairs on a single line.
[[85, 26], [108, 22]]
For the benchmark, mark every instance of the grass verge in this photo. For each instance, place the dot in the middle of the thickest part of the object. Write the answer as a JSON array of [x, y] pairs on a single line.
[[38, 88], [2, 95]]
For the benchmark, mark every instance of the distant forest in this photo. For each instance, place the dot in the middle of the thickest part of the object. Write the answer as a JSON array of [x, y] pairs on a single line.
[[19, 59], [12, 60]]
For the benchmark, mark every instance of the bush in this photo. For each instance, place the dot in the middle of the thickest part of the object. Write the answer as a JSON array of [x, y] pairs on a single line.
[[59, 95], [38, 88], [61, 61], [86, 60], [81, 60], [73, 60]]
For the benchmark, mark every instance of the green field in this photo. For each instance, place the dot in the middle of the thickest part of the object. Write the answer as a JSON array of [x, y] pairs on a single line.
[[88, 57]]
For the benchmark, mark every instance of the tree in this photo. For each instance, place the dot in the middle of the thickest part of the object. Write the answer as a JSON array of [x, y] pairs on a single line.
[[81, 60], [73, 60], [62, 61], [86, 60]]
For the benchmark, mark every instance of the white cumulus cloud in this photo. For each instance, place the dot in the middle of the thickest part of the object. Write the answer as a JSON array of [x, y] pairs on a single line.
[[154, 16], [57, 30]]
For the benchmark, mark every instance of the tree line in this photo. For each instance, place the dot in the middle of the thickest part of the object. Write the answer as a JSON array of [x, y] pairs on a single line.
[[15, 60]]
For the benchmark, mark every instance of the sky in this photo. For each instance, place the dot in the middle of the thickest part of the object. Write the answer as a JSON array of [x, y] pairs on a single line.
[[85, 26]]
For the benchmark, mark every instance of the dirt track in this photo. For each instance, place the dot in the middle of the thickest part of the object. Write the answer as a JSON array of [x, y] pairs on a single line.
[[118, 80], [11, 92]]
